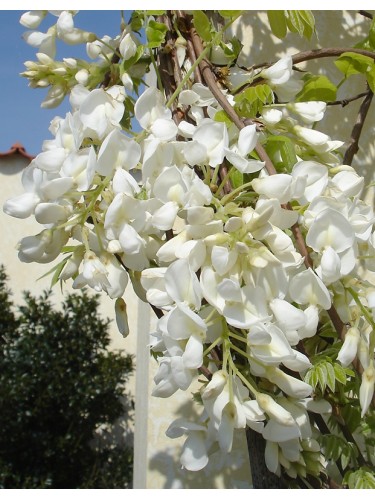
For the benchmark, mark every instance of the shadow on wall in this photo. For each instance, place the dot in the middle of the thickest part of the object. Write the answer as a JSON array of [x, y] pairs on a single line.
[[224, 471]]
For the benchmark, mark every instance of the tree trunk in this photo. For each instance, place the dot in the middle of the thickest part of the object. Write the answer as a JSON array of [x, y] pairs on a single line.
[[261, 476]]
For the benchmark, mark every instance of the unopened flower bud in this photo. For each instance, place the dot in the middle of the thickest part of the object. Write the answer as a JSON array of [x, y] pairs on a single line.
[[349, 348], [274, 410], [366, 390], [122, 317]]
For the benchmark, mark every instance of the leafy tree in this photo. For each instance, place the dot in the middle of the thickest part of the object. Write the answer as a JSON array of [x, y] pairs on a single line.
[[61, 394]]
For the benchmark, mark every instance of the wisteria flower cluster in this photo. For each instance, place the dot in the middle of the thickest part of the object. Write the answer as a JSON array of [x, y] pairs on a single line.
[[236, 219]]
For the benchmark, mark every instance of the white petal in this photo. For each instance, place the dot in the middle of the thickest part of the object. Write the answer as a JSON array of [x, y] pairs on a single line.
[[271, 457], [209, 282], [195, 153], [247, 139], [330, 266], [50, 213], [150, 106], [194, 453], [274, 186], [188, 97], [193, 355], [330, 228], [279, 72], [21, 206], [33, 18], [164, 129], [222, 259], [307, 288], [127, 47], [117, 150], [130, 240], [52, 160], [242, 164], [277, 433], [293, 387], [56, 188], [165, 216], [287, 316], [182, 375], [182, 284]]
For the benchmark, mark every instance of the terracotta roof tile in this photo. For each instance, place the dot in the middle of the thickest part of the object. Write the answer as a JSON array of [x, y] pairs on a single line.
[[17, 148]]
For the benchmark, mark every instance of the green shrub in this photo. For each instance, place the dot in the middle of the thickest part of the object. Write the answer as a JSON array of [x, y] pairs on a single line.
[[60, 388]]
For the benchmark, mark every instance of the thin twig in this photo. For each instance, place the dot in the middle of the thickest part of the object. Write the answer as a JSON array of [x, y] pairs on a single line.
[[364, 13], [357, 129], [308, 55], [346, 101]]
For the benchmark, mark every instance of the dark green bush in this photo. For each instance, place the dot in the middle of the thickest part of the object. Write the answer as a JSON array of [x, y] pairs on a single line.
[[60, 388]]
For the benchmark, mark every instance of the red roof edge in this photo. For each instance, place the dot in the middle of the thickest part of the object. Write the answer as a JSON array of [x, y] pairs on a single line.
[[17, 148]]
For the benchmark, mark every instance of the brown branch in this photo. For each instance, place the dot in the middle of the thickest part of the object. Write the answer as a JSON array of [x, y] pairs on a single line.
[[308, 55], [357, 129], [345, 102], [184, 26], [210, 80], [364, 13], [107, 78], [329, 52]]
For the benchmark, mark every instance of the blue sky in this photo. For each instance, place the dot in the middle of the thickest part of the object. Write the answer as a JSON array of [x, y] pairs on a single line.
[[21, 117]]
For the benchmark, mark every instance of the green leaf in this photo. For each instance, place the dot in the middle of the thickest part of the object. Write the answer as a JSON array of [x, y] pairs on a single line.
[[229, 13], [352, 415], [311, 377], [371, 35], [294, 22], [340, 373], [336, 448], [56, 270], [250, 102], [331, 379], [309, 22], [351, 63], [301, 22], [347, 455], [155, 33], [321, 371], [370, 77], [155, 12], [231, 50], [317, 88], [202, 25], [277, 20], [222, 116], [236, 178], [133, 60], [281, 146], [264, 93], [136, 20], [59, 268], [363, 478]]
